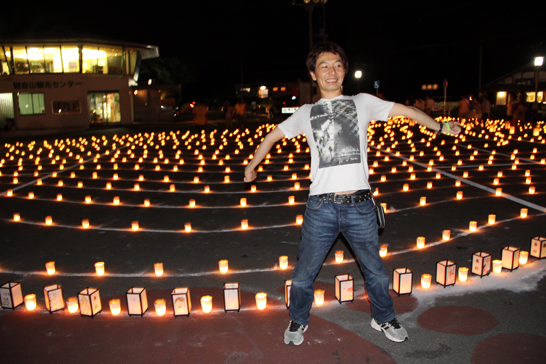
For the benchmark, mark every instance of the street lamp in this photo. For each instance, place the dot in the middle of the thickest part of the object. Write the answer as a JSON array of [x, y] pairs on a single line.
[[358, 76], [538, 64], [309, 6]]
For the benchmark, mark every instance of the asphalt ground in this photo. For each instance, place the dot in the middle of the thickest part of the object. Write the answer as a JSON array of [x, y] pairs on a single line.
[[496, 318]]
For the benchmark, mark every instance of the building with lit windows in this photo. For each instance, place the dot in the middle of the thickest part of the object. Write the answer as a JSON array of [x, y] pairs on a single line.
[[69, 83]]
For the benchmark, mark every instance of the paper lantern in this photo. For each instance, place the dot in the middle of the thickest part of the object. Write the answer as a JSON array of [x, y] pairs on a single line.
[[50, 268], [253, 188], [181, 301], [30, 302], [232, 297], [85, 223], [283, 262], [481, 264], [287, 289], [137, 301], [491, 219], [158, 269], [16, 216], [290, 200], [339, 256], [531, 190], [223, 266], [54, 299], [90, 303], [402, 281], [206, 304], [160, 307], [472, 225], [420, 242], [115, 306], [299, 219], [523, 257], [243, 202], [9, 193], [11, 295], [497, 266], [244, 224], [423, 201], [319, 297], [297, 186], [523, 213], [446, 234], [344, 288], [463, 274], [99, 268], [261, 300], [147, 202], [134, 226], [192, 203], [446, 273], [459, 195], [31, 195], [206, 189], [383, 250], [88, 199], [48, 220], [426, 280], [498, 192], [108, 185], [510, 258], [538, 247]]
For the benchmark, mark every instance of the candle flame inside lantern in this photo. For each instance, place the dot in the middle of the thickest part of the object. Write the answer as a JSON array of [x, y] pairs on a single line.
[[463, 274], [192, 203], [523, 212], [269, 178], [160, 307], [206, 304], [299, 219], [459, 195], [291, 200], [187, 227], [244, 224], [134, 225], [30, 301], [423, 201], [99, 268], [253, 188], [446, 234], [472, 225], [223, 265], [261, 300], [195, 179], [297, 186], [498, 191], [531, 189], [491, 219], [116, 200], [48, 220], [283, 262], [72, 304], [158, 269], [405, 187], [497, 266], [420, 242], [339, 256], [243, 201], [383, 250], [115, 306], [147, 202], [50, 268], [523, 256], [85, 223], [426, 279], [319, 297], [59, 197]]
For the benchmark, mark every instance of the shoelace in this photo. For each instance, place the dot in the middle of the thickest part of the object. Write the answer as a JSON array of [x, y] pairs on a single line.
[[394, 323], [294, 326]]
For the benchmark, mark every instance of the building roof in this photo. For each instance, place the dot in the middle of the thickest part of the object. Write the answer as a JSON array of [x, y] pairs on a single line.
[[523, 77]]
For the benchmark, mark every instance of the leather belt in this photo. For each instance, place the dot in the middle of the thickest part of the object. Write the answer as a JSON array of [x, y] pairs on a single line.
[[359, 196]]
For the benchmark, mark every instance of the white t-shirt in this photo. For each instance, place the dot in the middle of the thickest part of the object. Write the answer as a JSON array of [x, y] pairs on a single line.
[[336, 131]]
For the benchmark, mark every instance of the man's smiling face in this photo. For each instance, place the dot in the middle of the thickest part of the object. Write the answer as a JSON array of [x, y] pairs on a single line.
[[329, 74]]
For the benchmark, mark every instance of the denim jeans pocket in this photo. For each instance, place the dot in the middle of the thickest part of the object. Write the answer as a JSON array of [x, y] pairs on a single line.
[[365, 207], [314, 203]]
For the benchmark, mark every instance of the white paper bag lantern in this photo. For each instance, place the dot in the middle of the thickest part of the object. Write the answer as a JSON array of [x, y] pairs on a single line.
[[137, 301], [344, 288], [181, 301], [232, 297], [11, 295]]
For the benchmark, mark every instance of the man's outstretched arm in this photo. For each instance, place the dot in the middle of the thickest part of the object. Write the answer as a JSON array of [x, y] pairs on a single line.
[[423, 119], [264, 148]]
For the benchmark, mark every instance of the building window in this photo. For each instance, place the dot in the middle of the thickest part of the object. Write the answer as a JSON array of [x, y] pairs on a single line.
[[263, 92], [66, 107], [501, 98], [31, 104], [70, 59], [102, 60], [104, 107]]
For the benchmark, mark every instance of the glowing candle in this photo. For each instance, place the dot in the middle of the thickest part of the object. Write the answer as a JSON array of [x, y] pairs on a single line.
[[297, 186], [457, 183], [405, 187], [420, 242], [446, 234], [147, 202], [223, 266], [463, 274], [459, 195], [16, 216], [299, 219], [497, 266], [498, 191], [206, 189], [383, 250], [244, 224], [283, 262], [339, 256], [141, 177], [85, 223], [495, 181], [291, 200], [60, 183], [425, 281], [48, 220], [261, 300], [491, 219], [30, 301], [115, 306], [99, 268], [270, 178], [59, 197], [523, 212], [195, 179], [158, 269], [472, 225], [294, 176], [72, 304], [160, 307], [192, 203], [116, 200], [253, 188], [523, 256], [384, 204], [187, 227], [531, 189], [319, 297], [134, 225], [50, 268], [108, 185], [206, 304], [243, 201], [80, 184], [423, 201]]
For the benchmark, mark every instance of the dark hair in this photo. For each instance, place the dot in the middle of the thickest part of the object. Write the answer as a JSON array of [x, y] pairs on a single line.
[[323, 47]]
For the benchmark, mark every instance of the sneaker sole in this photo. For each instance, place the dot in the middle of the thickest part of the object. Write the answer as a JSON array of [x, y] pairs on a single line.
[[295, 343]]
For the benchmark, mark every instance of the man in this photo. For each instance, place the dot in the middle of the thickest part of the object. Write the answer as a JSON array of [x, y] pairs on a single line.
[[340, 199]]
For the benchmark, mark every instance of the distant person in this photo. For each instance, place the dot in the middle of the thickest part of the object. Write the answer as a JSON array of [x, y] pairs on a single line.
[[240, 113], [420, 104], [486, 108], [253, 107], [464, 108], [227, 113], [271, 108], [430, 105], [511, 108], [520, 108], [340, 197], [200, 112]]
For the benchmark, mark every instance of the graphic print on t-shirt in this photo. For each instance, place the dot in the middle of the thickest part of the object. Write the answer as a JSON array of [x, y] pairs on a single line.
[[336, 133]]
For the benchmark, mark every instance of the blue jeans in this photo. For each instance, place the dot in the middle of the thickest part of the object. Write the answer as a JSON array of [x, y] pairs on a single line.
[[323, 222]]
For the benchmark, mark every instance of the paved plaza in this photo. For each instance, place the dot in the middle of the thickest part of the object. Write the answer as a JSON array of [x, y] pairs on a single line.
[[134, 197]]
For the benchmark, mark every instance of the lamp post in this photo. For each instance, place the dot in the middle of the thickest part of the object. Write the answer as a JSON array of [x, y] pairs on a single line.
[[538, 64]]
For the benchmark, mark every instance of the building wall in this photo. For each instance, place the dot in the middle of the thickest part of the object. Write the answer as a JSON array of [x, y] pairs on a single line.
[[65, 87]]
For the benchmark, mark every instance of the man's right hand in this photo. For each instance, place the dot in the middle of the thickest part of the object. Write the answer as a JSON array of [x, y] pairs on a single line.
[[250, 174]]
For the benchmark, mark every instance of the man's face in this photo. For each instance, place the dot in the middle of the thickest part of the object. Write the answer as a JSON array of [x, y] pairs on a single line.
[[329, 74]]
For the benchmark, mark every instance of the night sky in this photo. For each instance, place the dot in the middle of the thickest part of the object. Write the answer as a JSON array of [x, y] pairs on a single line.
[[401, 44]]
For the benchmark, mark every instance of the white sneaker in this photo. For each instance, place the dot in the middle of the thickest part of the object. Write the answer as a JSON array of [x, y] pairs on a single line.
[[293, 335], [392, 329]]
